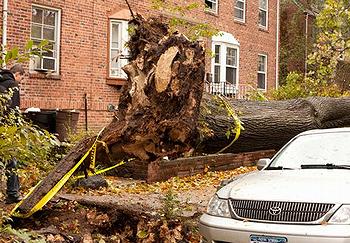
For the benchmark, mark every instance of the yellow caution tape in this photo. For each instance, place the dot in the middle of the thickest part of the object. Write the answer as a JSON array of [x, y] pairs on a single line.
[[18, 215], [54, 190], [101, 171], [91, 171], [93, 158]]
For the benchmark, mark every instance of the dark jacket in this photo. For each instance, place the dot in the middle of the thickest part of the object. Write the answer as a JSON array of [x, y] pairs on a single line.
[[7, 81]]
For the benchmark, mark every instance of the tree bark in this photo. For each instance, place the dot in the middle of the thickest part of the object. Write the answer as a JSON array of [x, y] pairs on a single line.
[[162, 114], [268, 124], [159, 108]]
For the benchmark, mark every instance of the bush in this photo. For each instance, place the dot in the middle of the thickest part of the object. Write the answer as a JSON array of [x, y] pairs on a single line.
[[299, 87], [22, 140], [293, 88]]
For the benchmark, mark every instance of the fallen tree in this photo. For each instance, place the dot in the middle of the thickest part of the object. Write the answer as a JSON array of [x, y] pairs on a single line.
[[159, 108], [162, 113], [269, 124]]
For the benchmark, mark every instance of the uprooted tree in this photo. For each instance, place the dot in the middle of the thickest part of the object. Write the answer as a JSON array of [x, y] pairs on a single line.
[[162, 111]]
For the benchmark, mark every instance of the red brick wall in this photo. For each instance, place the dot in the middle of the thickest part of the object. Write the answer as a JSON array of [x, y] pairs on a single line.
[[163, 170], [253, 41], [84, 51]]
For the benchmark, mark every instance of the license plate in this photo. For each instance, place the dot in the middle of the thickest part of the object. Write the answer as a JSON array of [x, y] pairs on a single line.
[[267, 239]]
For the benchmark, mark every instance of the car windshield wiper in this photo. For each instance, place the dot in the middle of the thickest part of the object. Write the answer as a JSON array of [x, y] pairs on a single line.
[[325, 166], [278, 168]]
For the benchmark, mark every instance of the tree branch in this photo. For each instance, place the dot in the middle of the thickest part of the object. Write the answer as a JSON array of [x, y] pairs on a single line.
[[132, 13]]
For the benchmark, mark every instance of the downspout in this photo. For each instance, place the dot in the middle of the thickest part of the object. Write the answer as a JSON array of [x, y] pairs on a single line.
[[4, 28], [86, 111], [277, 43]]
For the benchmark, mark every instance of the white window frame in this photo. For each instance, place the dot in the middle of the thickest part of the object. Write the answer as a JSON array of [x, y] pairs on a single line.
[[211, 10], [231, 66], [123, 38], [265, 27], [57, 41], [234, 9], [217, 64], [262, 72], [222, 64]]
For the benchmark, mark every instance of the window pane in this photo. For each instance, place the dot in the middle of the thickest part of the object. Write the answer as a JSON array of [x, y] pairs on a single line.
[[44, 26], [49, 17], [50, 50], [115, 35], [239, 14], [262, 18], [261, 64], [316, 149], [231, 75], [48, 64], [261, 81], [36, 31], [217, 54], [118, 36], [211, 4], [217, 74], [36, 43], [240, 4], [115, 59], [122, 63], [263, 4], [48, 53], [49, 34], [115, 72], [37, 15], [231, 56]]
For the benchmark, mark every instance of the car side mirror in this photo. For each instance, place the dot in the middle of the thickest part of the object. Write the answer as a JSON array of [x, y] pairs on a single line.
[[262, 163]]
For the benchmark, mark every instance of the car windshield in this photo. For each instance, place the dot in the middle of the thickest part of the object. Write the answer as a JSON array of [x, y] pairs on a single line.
[[329, 149]]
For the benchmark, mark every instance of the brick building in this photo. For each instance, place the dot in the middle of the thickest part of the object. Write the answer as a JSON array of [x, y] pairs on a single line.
[[87, 38], [295, 16]]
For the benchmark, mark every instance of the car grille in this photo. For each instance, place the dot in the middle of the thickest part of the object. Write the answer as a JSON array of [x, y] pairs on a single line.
[[279, 211]]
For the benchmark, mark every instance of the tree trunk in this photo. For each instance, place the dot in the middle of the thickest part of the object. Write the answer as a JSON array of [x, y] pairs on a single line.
[[268, 124], [159, 112]]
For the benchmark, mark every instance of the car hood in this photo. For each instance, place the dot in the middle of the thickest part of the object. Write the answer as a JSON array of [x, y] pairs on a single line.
[[308, 185]]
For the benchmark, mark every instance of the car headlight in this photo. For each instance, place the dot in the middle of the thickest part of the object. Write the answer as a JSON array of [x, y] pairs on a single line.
[[218, 207], [341, 216]]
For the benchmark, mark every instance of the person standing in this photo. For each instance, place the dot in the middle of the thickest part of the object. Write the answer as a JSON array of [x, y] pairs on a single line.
[[10, 79]]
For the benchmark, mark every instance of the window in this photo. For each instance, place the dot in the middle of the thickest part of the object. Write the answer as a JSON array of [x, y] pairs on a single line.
[[263, 14], [118, 53], [225, 69], [45, 26], [262, 71], [225, 63], [231, 65], [217, 64], [211, 5], [239, 10]]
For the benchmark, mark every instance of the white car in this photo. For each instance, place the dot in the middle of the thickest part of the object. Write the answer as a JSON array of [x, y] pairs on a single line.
[[302, 195]]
